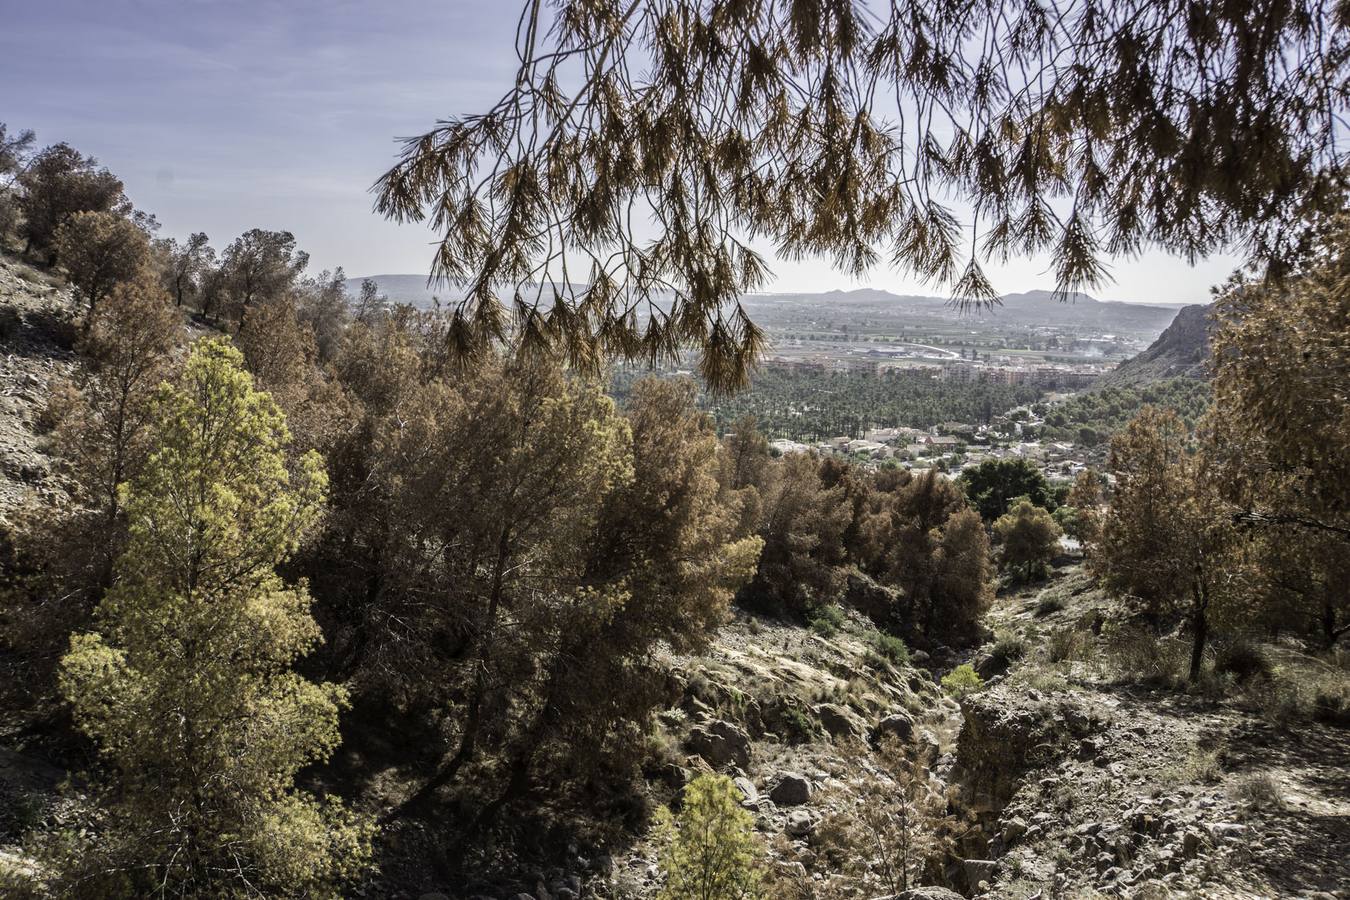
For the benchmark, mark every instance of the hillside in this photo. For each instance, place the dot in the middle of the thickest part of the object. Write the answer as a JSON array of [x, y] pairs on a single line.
[[1181, 351], [1081, 766]]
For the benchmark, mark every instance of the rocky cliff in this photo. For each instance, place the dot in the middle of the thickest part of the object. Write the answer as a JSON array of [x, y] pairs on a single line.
[[1181, 351]]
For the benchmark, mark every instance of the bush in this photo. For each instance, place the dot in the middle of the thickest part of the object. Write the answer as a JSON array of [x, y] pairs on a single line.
[[1259, 791], [826, 620], [890, 648], [1068, 645], [1008, 649], [961, 681], [1146, 658], [710, 850], [1244, 661], [1050, 603], [800, 726]]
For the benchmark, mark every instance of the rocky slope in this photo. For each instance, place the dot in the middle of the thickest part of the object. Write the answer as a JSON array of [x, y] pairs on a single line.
[[1093, 781], [37, 333], [1181, 351]]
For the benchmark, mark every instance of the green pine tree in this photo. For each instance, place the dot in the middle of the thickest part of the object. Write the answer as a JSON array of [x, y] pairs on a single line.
[[710, 850], [187, 687]]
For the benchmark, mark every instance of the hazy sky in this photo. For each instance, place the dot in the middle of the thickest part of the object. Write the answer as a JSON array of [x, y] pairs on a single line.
[[225, 115]]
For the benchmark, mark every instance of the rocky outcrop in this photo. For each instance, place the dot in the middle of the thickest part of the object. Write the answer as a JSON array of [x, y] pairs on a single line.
[[1009, 731]]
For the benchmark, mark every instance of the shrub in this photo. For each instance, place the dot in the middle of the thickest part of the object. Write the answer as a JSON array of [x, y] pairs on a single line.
[[890, 648], [1050, 603], [826, 620], [1066, 645], [1244, 661], [710, 850], [800, 726], [1202, 763], [1008, 649], [1259, 791], [1331, 706], [961, 681], [1146, 658]]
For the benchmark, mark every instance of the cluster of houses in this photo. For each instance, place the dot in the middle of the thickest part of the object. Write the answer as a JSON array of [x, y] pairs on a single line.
[[952, 446]]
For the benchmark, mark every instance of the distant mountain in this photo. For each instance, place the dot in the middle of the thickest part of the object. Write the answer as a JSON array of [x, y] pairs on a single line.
[[1028, 309], [1181, 351], [412, 289]]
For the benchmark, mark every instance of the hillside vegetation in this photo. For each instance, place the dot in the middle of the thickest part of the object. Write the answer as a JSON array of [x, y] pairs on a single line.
[[301, 597]]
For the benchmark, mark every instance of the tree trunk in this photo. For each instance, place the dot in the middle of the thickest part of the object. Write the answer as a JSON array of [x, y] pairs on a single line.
[[468, 742], [1200, 624]]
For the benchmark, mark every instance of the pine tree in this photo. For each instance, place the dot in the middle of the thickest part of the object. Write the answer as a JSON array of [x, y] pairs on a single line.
[[1029, 537], [651, 141], [710, 850], [187, 687]]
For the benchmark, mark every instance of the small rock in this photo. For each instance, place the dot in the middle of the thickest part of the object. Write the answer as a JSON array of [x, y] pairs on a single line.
[[747, 788], [1192, 842], [1223, 831]]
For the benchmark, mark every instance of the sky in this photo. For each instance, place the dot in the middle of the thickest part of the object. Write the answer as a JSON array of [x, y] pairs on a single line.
[[226, 115]]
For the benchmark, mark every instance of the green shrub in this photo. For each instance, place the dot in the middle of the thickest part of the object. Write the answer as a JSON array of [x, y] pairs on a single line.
[[962, 680], [889, 648], [710, 850], [1050, 603], [1008, 649], [826, 620], [800, 726]]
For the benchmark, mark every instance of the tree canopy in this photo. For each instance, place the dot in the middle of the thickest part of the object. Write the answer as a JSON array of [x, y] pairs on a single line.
[[608, 201], [187, 686]]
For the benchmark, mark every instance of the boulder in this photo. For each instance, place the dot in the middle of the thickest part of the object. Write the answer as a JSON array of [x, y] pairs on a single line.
[[799, 823], [839, 721], [1013, 830], [899, 725], [747, 788], [791, 789], [927, 744], [720, 743]]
